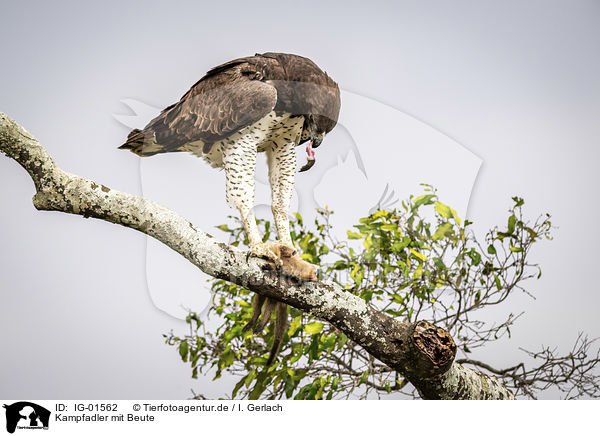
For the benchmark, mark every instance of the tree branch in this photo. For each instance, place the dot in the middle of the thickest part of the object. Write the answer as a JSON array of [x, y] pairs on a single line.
[[423, 353]]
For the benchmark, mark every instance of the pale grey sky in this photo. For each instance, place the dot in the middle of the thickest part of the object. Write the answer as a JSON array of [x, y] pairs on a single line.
[[516, 83]]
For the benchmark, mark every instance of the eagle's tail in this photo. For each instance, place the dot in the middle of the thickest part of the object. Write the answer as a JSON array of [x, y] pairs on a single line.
[[140, 143]]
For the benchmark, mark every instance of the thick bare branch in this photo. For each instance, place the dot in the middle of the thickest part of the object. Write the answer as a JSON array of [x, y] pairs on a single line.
[[420, 351]]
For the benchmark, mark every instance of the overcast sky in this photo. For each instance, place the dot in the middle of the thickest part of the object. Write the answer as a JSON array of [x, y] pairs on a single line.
[[503, 98]]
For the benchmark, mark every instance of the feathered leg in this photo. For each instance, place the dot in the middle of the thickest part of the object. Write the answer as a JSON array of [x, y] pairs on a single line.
[[239, 161], [281, 159]]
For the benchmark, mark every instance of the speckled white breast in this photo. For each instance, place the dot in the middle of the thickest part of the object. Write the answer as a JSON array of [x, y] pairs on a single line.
[[271, 131]]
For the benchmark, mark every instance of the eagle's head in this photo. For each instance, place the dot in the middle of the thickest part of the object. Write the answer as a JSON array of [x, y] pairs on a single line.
[[315, 129]]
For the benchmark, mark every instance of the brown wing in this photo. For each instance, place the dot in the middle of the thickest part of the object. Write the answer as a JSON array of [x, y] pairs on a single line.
[[223, 102]]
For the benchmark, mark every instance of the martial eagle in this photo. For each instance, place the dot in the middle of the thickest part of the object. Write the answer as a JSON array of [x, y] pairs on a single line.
[[269, 102]]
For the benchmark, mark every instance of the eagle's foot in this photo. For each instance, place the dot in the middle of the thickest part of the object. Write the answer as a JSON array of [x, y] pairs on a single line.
[[272, 251], [284, 258]]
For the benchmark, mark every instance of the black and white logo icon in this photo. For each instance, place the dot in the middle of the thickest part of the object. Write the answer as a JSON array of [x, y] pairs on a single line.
[[26, 415]]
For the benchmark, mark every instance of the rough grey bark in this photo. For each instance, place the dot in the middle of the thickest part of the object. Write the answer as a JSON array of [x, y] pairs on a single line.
[[423, 353]]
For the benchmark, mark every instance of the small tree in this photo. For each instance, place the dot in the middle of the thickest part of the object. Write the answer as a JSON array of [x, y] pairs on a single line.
[[419, 262]]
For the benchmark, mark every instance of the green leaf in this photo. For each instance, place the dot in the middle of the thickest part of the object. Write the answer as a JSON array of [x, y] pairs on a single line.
[[443, 210], [353, 235], [512, 220], [518, 201], [298, 218], [313, 328], [516, 249], [443, 231], [456, 217], [401, 245], [395, 312], [289, 387], [294, 325], [237, 387], [183, 350], [491, 249], [418, 272], [298, 350], [313, 348], [475, 257], [439, 264], [259, 388], [334, 383], [531, 232], [342, 340], [398, 299], [423, 199], [307, 257], [328, 341], [228, 358], [340, 265], [364, 376], [459, 281], [497, 280], [488, 268], [250, 377], [319, 393], [418, 255], [380, 213], [367, 294]]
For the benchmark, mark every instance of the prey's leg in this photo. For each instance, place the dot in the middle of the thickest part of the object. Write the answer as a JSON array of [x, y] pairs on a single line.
[[256, 308], [280, 329], [270, 305]]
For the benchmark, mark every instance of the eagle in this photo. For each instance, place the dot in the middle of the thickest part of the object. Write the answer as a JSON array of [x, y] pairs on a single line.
[[269, 103]]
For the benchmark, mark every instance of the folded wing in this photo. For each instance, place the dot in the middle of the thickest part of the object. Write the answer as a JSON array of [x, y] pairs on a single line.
[[221, 103]]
